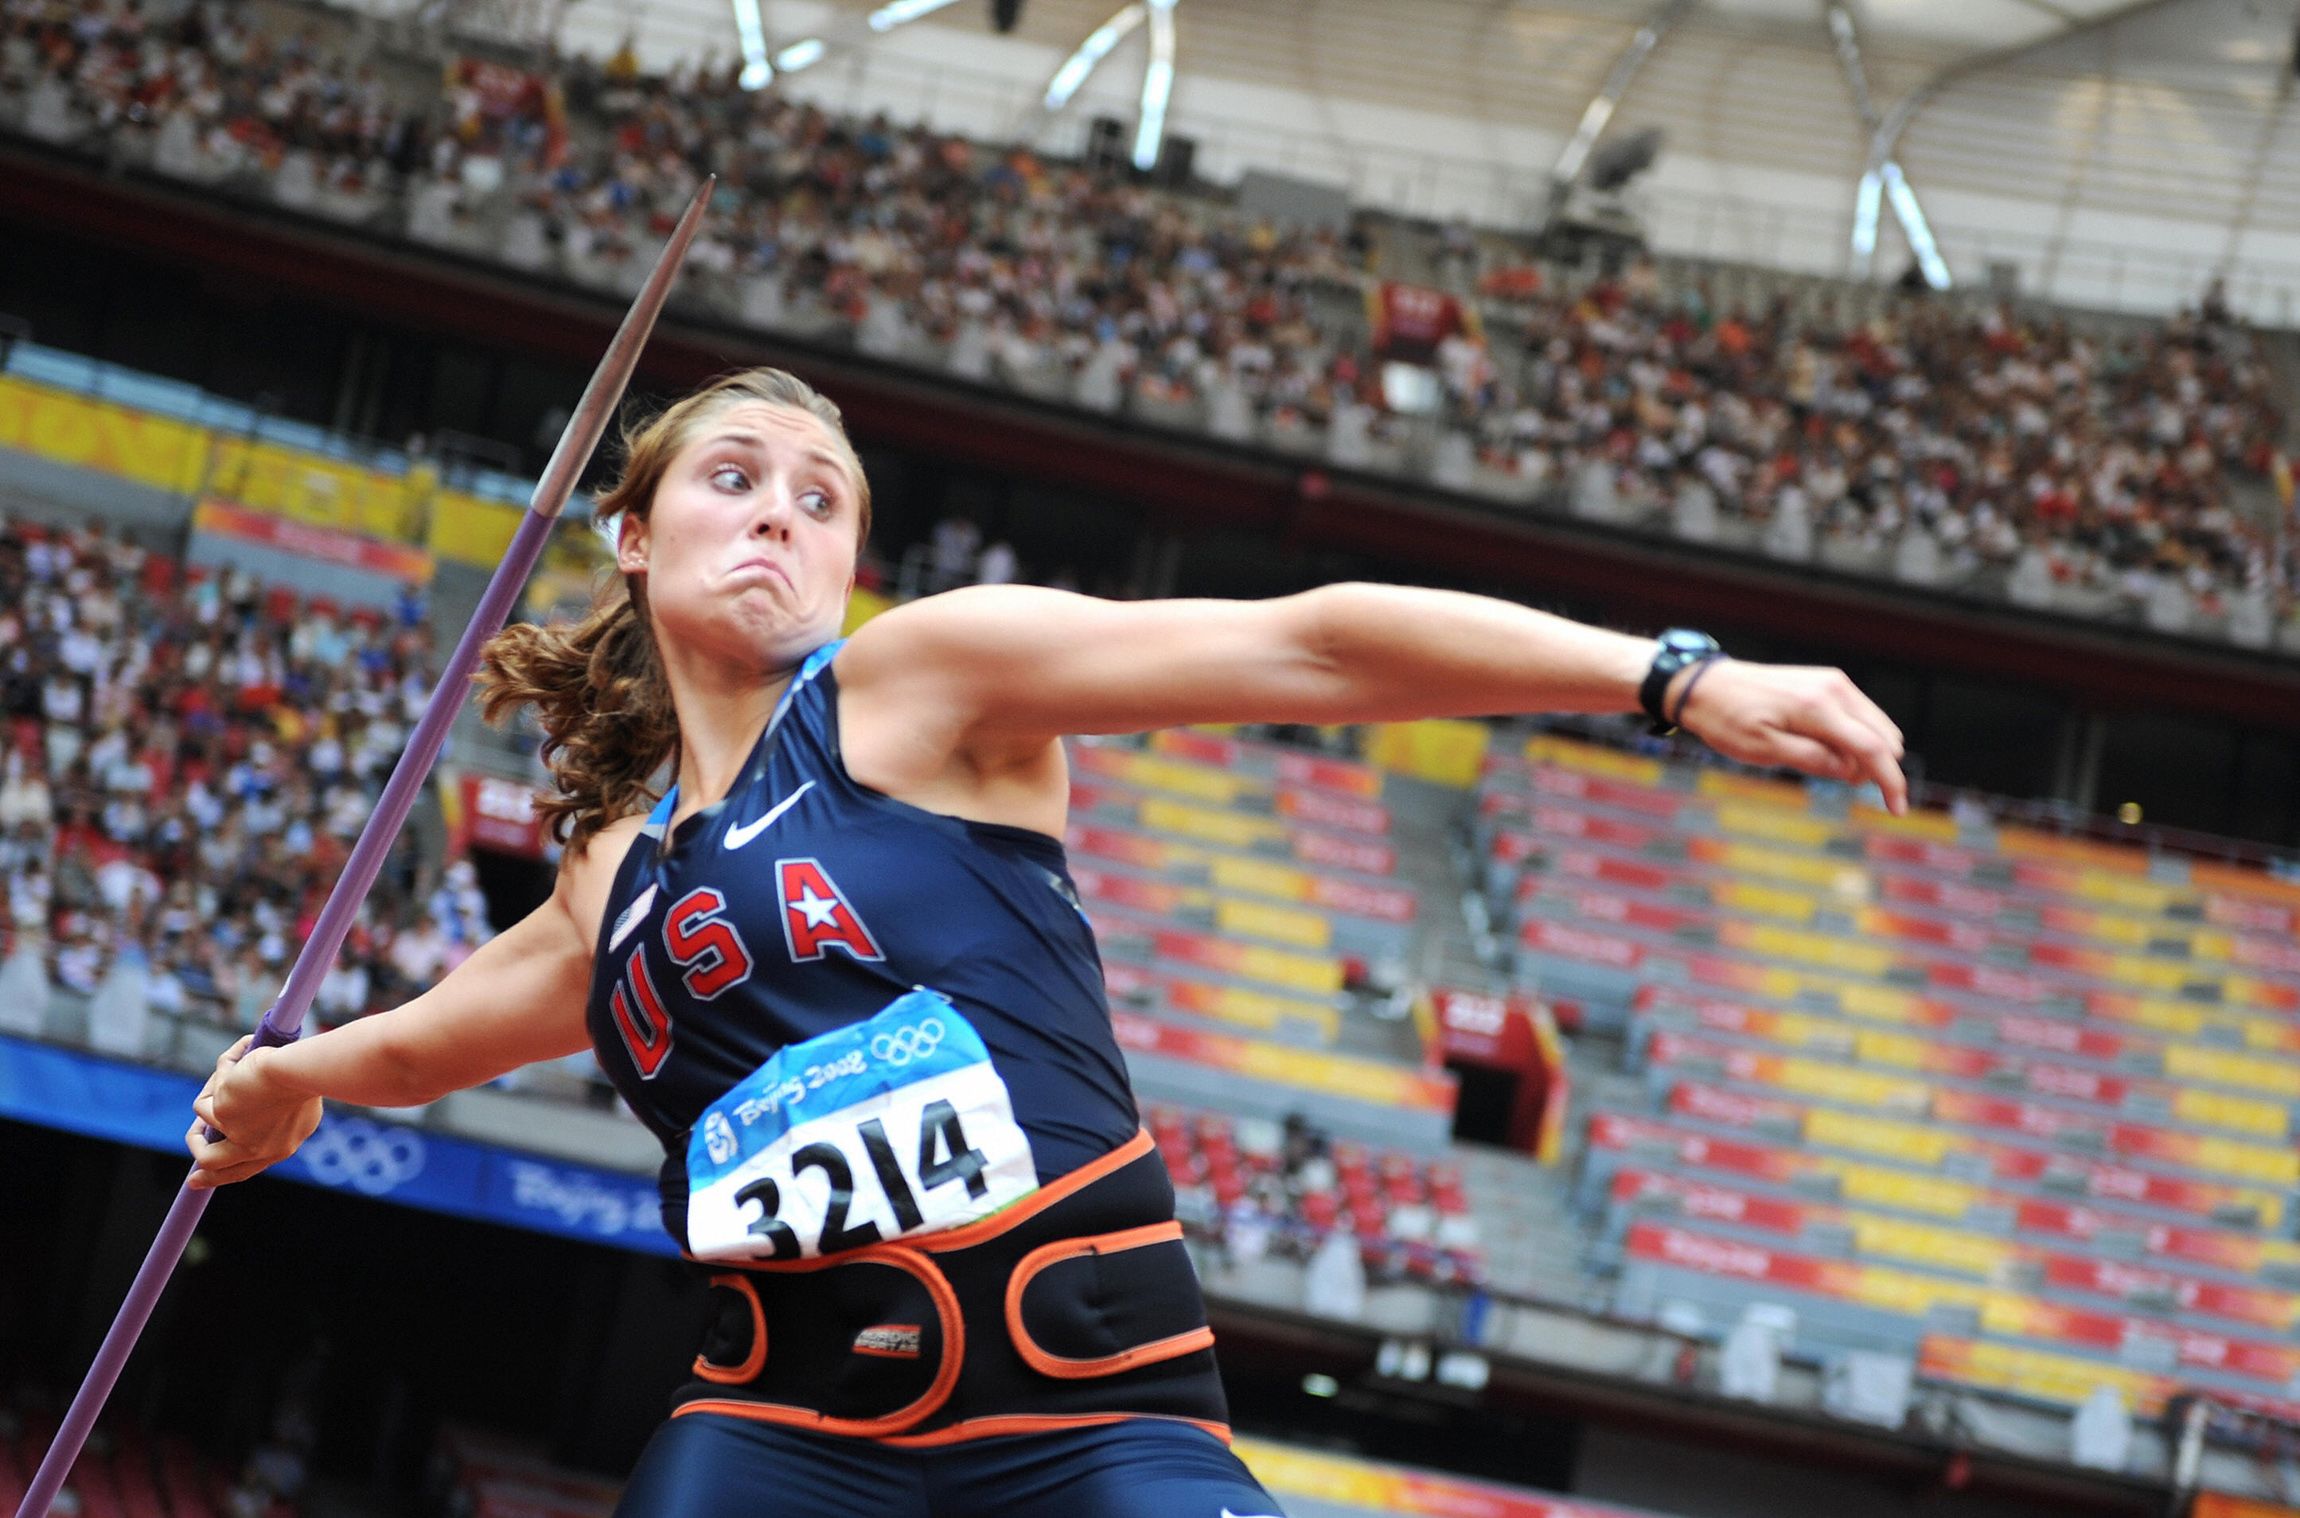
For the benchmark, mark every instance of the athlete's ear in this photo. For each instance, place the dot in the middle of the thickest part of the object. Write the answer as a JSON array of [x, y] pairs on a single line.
[[631, 545]]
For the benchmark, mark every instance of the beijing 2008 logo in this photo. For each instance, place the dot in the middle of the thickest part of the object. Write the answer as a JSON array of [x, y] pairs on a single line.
[[904, 1044], [368, 1157], [719, 1137]]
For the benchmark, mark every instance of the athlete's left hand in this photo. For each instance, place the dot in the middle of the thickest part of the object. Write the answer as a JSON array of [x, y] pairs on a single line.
[[258, 1122], [1809, 719]]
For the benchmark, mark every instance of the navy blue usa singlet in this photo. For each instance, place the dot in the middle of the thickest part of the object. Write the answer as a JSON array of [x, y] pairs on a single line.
[[849, 1019]]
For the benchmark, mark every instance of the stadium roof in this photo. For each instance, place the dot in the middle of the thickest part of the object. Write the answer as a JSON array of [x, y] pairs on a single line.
[[1955, 26], [1973, 24]]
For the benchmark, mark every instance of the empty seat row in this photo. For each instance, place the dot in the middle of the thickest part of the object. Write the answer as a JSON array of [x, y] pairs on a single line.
[[1267, 837], [1270, 761], [2123, 1225], [1896, 949], [2174, 1179], [1170, 995], [2067, 1106], [1306, 805], [2088, 1069], [1891, 902], [2005, 855], [1332, 891], [2014, 1261], [1862, 1306]]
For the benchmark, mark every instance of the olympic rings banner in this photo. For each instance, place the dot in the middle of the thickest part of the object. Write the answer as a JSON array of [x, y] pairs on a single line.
[[392, 1162]]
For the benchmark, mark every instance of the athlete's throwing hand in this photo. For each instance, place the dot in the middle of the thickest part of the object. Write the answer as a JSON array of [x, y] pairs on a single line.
[[258, 1123], [1815, 720]]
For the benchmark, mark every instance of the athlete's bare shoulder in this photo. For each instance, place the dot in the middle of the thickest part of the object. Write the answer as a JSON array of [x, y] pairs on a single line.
[[587, 876]]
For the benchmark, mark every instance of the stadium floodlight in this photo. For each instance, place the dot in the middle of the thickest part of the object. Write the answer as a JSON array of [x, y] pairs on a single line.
[[751, 31], [1602, 105], [800, 55], [1593, 120], [1866, 206], [887, 17], [1079, 65], [1914, 226], [1157, 85]]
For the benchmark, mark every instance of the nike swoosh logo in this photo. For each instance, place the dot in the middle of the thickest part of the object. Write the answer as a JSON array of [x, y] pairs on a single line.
[[1226, 1513], [738, 836]]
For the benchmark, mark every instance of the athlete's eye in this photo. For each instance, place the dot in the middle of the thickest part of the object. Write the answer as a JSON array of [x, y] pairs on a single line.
[[821, 502], [731, 477]]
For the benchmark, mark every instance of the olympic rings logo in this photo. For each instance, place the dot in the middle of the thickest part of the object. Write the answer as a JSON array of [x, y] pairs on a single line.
[[905, 1044], [370, 1158]]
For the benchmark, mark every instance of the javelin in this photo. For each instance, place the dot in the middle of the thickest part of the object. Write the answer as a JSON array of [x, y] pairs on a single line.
[[284, 1018]]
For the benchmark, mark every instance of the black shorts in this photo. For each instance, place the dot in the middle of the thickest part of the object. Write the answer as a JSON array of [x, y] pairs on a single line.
[[710, 1465]]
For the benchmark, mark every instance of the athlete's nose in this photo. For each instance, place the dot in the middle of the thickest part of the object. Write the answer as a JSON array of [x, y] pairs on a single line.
[[775, 518]]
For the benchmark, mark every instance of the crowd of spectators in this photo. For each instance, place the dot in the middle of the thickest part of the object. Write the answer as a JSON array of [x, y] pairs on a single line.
[[242, 95], [1009, 262], [1941, 442], [1983, 438], [188, 758]]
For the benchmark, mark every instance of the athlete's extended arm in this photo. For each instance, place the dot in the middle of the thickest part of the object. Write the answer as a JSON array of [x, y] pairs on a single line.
[[519, 998], [1002, 670]]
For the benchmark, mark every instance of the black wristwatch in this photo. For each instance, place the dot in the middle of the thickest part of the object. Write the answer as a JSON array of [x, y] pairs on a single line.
[[1680, 648]]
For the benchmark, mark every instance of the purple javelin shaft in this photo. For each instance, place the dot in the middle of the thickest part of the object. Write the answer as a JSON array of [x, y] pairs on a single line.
[[284, 1019]]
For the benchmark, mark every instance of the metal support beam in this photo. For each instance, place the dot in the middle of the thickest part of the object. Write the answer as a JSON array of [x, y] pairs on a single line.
[[1882, 183], [2271, 122], [1884, 140]]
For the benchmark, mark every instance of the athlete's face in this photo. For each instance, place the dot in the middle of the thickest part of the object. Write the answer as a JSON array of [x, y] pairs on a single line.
[[749, 548]]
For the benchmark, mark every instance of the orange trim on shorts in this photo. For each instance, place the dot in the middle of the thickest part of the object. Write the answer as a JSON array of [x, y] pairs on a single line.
[[921, 1269], [1071, 1368], [1038, 1423], [736, 1375]]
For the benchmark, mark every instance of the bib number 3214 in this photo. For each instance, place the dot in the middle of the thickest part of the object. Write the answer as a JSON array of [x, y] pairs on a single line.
[[943, 1158], [896, 1126]]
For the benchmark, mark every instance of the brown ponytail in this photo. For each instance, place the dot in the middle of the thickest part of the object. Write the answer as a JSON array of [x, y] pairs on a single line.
[[597, 685]]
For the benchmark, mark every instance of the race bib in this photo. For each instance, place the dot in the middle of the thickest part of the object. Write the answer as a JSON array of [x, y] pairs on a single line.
[[894, 1126]]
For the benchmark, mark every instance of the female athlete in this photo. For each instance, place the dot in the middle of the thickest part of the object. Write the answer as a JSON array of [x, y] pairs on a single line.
[[840, 969]]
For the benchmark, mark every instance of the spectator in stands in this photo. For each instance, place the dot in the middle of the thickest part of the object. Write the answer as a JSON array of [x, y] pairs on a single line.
[[998, 565], [953, 547]]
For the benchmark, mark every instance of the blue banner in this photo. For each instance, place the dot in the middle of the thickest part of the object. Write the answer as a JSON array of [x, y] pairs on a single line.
[[392, 1162]]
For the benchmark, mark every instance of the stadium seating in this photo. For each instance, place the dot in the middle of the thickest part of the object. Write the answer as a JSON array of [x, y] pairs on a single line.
[[1164, 848], [2011, 1103]]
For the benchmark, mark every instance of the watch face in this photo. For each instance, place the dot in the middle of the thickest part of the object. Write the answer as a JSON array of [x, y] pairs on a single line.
[[1686, 640]]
